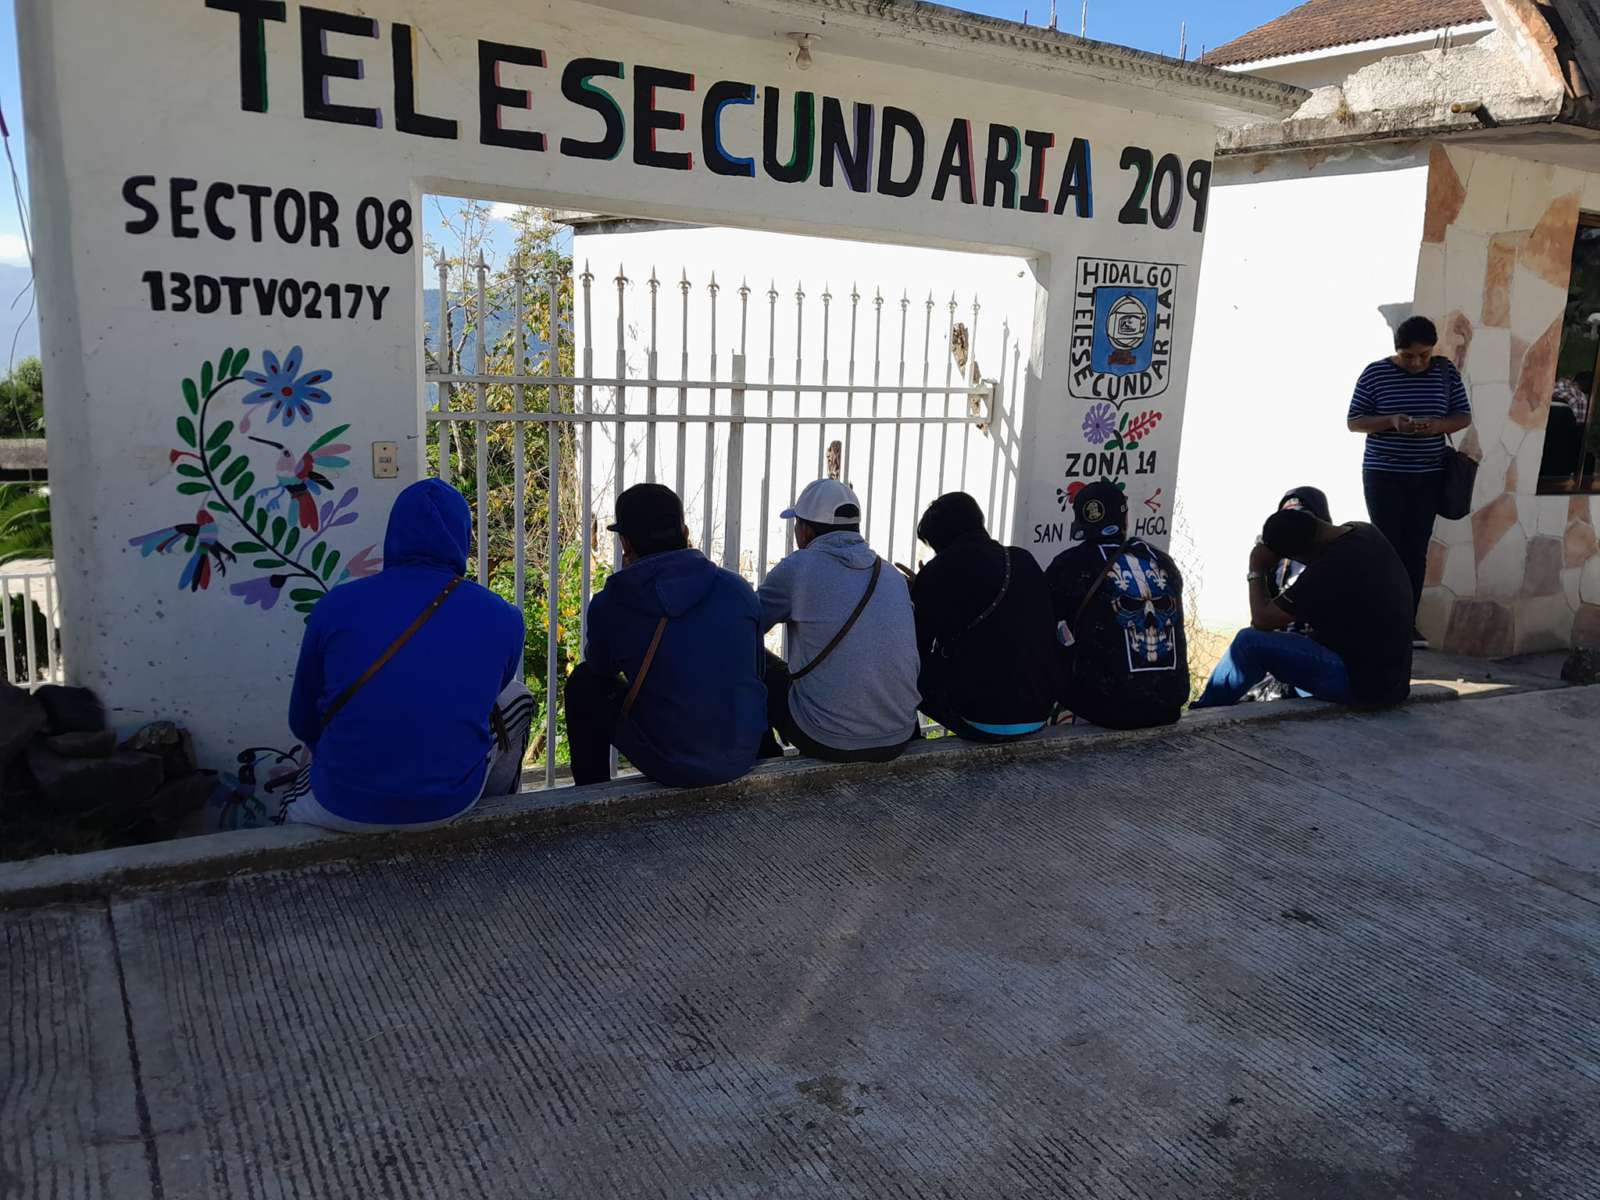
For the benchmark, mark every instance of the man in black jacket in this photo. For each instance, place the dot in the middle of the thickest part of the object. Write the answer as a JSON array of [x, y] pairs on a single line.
[[1119, 608], [1356, 595], [984, 628]]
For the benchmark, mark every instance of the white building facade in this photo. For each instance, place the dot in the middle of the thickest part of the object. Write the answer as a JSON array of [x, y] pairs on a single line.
[[1455, 181], [230, 273]]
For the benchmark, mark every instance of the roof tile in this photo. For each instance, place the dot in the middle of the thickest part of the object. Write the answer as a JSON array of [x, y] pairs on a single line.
[[1319, 24]]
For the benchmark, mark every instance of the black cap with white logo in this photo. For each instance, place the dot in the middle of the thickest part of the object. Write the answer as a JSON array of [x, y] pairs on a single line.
[[1100, 513]]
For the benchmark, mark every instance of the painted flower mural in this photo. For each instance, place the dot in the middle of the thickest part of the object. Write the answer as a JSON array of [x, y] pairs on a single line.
[[1099, 424], [281, 385], [239, 522], [252, 796], [1105, 427]]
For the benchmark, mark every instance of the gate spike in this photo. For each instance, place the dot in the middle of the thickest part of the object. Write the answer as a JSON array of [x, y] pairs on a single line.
[[655, 283], [744, 286], [622, 275], [713, 287], [683, 284]]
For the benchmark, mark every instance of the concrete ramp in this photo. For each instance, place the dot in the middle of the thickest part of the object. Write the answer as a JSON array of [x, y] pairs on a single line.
[[1352, 957]]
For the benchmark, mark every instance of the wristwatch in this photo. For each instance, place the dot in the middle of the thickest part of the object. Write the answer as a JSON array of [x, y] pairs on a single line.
[[1253, 576]]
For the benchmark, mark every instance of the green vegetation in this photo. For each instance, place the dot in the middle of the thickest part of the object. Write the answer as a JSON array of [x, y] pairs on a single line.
[[22, 401], [24, 508], [547, 307], [24, 522]]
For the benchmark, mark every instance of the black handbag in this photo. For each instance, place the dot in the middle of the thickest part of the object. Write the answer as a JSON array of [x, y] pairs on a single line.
[[1456, 482]]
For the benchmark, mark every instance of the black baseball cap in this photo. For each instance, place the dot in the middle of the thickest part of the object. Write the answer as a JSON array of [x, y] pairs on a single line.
[[1099, 511], [648, 511]]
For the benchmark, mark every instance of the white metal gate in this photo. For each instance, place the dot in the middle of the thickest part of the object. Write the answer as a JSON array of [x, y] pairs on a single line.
[[901, 430], [30, 624]]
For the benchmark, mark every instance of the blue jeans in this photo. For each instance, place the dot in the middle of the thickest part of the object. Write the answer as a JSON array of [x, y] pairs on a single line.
[[1291, 657]]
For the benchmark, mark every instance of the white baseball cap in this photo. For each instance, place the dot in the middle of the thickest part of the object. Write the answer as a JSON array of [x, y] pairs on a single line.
[[825, 502]]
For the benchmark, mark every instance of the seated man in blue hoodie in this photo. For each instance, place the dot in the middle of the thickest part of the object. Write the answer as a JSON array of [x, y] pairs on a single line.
[[671, 674], [409, 689]]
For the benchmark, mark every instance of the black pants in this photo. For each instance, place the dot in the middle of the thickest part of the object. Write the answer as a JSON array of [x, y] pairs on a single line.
[[594, 706], [1404, 507], [782, 720]]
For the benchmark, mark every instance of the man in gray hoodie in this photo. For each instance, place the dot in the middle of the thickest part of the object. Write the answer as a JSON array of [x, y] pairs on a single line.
[[848, 692]]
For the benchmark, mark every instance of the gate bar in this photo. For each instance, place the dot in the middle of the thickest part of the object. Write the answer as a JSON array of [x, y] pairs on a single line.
[[552, 620]]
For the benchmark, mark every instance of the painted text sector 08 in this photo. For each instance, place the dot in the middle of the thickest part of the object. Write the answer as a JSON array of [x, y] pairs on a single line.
[[868, 148]]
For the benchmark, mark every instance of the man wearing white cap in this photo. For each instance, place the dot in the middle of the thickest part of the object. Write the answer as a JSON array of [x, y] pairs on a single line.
[[848, 692]]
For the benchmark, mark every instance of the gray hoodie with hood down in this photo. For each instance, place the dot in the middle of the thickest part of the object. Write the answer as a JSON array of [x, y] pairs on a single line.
[[864, 695]]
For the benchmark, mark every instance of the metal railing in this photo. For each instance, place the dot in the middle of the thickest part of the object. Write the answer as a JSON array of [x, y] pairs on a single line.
[[710, 428], [30, 624]]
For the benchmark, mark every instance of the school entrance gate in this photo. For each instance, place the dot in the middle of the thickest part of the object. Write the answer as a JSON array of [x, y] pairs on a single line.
[[225, 196]]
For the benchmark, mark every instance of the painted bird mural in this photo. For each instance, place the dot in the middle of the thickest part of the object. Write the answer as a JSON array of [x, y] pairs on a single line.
[[199, 540], [302, 480]]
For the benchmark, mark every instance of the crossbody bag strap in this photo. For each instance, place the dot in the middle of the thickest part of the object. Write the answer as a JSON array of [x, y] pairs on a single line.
[[644, 667], [947, 650], [1005, 586], [423, 618], [872, 586], [1105, 574]]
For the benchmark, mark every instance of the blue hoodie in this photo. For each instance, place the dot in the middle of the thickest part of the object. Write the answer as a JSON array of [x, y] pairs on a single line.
[[412, 745], [701, 714]]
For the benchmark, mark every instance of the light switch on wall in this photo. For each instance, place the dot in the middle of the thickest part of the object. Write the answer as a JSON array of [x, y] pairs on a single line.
[[386, 460]]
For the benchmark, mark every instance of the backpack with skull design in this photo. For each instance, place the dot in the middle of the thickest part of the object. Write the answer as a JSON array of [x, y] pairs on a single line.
[[1124, 604]]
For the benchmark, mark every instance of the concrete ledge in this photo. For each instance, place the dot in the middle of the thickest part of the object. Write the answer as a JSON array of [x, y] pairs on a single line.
[[214, 858]]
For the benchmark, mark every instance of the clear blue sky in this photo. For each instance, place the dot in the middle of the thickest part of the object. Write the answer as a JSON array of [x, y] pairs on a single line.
[[1146, 24]]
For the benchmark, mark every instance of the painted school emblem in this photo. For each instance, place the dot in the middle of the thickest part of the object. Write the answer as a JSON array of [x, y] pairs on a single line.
[[1122, 321]]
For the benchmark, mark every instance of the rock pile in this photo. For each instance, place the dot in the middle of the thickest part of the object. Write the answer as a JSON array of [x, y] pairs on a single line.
[[66, 782], [1582, 666]]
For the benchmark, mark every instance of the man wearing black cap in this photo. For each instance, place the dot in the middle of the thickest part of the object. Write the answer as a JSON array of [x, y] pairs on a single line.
[[1119, 619], [985, 629], [671, 673]]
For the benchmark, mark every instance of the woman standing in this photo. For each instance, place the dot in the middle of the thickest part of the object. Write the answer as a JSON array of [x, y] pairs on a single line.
[[1406, 405]]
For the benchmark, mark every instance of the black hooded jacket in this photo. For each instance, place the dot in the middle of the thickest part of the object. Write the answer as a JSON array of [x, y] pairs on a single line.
[[1001, 671]]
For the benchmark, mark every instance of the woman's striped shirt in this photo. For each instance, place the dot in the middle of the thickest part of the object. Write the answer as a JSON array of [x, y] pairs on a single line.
[[1384, 390]]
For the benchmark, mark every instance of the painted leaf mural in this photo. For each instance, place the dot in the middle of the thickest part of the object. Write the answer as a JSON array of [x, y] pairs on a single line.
[[280, 527]]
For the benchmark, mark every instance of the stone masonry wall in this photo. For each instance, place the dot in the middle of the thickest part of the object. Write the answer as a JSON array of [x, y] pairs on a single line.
[[1522, 573]]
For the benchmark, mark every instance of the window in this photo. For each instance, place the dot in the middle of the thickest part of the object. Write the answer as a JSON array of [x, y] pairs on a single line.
[[1572, 438]]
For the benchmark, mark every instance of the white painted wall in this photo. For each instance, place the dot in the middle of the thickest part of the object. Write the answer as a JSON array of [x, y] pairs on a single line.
[[123, 91], [1301, 262], [1004, 285]]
